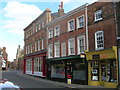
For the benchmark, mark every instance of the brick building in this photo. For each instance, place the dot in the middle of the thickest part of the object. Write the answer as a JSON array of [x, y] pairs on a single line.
[[66, 41], [117, 9], [35, 43], [102, 54]]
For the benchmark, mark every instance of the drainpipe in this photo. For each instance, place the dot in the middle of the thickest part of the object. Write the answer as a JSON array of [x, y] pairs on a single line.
[[118, 49], [87, 42]]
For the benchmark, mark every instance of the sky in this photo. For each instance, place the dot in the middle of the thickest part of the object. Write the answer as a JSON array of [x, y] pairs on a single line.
[[15, 15]]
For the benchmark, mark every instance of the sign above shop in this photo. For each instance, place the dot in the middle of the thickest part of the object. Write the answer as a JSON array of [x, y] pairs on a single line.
[[96, 56]]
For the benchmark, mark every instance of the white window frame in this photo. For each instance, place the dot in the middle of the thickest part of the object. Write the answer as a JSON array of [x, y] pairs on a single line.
[[50, 33], [50, 50], [96, 14], [69, 25], [78, 21], [69, 46], [57, 49], [82, 37], [57, 31], [63, 49], [96, 44]]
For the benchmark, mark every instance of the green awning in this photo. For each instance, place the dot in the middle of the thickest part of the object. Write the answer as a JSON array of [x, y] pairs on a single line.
[[65, 58]]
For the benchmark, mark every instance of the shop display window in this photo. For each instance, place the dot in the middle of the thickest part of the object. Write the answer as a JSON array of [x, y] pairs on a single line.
[[111, 71], [94, 70]]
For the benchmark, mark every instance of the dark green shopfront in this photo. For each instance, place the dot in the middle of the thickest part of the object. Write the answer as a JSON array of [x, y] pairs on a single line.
[[74, 66]]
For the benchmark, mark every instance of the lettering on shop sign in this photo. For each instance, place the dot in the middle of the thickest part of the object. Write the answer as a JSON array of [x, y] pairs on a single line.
[[96, 56]]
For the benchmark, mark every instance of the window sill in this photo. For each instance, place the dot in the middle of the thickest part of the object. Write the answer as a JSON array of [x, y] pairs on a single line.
[[98, 20]]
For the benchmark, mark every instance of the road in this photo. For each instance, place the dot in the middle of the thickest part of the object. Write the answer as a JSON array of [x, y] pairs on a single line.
[[26, 82]]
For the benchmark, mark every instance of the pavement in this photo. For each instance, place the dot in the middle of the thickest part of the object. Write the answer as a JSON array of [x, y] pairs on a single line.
[[62, 84]]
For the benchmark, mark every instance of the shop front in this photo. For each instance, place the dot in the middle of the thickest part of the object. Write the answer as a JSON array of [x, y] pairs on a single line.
[[35, 64], [103, 67], [73, 66]]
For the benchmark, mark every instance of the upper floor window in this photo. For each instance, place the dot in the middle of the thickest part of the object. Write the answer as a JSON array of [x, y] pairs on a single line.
[[37, 28], [57, 30], [50, 33], [50, 51], [81, 44], [71, 25], [98, 15], [57, 49], [42, 43], [63, 47], [71, 46], [43, 24], [80, 21], [99, 40]]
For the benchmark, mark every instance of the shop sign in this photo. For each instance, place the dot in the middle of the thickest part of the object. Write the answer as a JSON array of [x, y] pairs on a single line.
[[96, 56], [69, 81]]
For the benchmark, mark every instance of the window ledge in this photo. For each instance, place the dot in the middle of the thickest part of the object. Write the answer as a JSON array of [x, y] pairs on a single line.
[[98, 20]]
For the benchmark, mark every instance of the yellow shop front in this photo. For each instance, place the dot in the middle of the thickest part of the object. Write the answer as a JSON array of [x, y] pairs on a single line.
[[103, 67]]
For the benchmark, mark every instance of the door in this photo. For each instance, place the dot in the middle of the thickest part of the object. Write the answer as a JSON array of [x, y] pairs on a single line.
[[103, 74]]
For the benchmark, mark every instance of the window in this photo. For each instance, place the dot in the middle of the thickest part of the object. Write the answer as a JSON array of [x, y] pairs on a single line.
[[38, 45], [63, 46], [42, 43], [98, 15], [29, 64], [37, 28], [81, 44], [43, 24], [38, 64], [80, 21], [57, 49], [50, 33], [94, 70], [71, 25], [71, 47], [50, 51], [57, 30], [99, 40]]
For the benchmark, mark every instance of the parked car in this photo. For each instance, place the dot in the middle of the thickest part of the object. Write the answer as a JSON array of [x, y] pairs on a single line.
[[8, 85]]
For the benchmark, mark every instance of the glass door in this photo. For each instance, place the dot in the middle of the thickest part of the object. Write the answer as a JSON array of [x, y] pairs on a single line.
[[103, 73]]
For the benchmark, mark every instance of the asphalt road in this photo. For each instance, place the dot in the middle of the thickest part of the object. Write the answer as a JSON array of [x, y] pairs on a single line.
[[26, 82]]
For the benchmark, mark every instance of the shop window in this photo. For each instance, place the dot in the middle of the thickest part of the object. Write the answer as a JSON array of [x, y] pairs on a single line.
[[95, 71], [111, 71], [79, 71], [29, 65], [37, 64]]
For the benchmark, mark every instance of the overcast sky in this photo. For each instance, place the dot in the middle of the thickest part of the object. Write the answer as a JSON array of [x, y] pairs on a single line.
[[15, 15]]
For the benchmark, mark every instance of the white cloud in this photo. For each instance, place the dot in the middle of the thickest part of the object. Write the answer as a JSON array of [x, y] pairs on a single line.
[[16, 17], [19, 15]]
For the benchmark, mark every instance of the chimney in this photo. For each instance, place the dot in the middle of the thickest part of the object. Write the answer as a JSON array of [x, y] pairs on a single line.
[[61, 10]]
